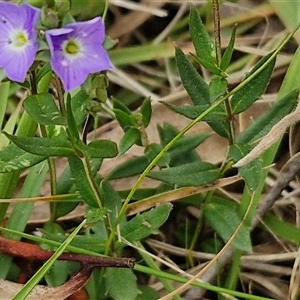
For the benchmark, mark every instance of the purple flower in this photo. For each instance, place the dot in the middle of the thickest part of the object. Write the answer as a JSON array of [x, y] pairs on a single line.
[[18, 45], [76, 51]]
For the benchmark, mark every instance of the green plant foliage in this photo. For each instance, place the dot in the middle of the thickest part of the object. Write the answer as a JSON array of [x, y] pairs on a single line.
[[131, 136], [250, 172], [225, 220], [43, 110], [87, 192], [194, 84], [226, 57], [101, 149], [192, 174], [126, 288], [129, 168], [254, 88], [13, 158], [43, 146], [263, 124], [146, 111], [205, 49], [146, 223]]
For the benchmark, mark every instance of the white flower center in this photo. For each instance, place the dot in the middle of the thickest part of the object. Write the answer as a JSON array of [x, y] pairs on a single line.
[[72, 48], [18, 39]]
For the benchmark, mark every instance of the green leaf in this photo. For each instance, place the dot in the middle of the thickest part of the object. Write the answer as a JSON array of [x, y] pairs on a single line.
[[226, 57], [202, 42], [121, 284], [263, 124], [192, 174], [102, 149], [82, 182], [42, 146], [124, 119], [112, 202], [147, 293], [250, 172], [147, 223], [146, 112], [131, 167], [225, 220], [78, 105], [281, 229], [217, 88], [253, 90], [43, 110], [193, 83], [72, 125], [152, 151], [131, 136]]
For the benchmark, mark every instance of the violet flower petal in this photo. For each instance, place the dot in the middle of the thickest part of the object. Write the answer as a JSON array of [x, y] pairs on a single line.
[[18, 45], [77, 51]]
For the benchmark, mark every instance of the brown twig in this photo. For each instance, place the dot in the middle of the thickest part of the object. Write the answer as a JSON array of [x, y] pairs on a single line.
[[35, 253]]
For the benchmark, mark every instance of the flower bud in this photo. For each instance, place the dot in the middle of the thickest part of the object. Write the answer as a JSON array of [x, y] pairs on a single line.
[[49, 18], [62, 7]]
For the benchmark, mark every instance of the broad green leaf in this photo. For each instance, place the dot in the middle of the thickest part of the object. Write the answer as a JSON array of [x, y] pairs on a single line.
[[226, 57], [263, 124], [131, 136], [102, 149], [152, 151], [192, 81], [121, 284], [43, 110], [131, 167], [146, 111], [253, 90], [43, 146], [225, 220], [250, 172], [191, 174], [202, 42], [83, 184], [142, 225]]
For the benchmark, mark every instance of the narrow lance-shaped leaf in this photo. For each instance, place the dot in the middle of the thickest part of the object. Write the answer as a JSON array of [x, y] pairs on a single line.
[[43, 146], [146, 111], [194, 84], [191, 174], [252, 90], [226, 57], [202, 42], [83, 184]]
